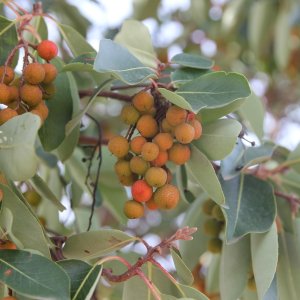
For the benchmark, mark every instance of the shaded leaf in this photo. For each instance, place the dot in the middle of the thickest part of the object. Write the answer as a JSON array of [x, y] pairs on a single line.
[[192, 61], [33, 275], [81, 63], [184, 75]]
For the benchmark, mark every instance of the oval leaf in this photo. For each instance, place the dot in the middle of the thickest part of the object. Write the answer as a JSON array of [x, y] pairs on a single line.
[[33, 275], [192, 61]]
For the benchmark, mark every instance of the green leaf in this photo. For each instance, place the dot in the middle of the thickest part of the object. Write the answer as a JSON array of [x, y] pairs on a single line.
[[136, 38], [21, 223], [83, 277], [205, 175], [76, 42], [175, 99], [8, 37], [42, 188], [218, 138], [264, 266], [212, 280], [251, 206], [116, 60], [293, 159], [235, 267], [33, 275], [60, 106], [94, 244], [18, 160], [252, 112], [184, 75], [183, 272], [192, 61], [214, 90], [40, 26], [81, 63]]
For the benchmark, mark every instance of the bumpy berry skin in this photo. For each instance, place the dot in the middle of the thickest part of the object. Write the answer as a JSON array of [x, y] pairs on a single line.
[[179, 154], [161, 159], [137, 143], [33, 198], [34, 73], [122, 168], [138, 165], [50, 73], [4, 93], [47, 50], [167, 196], [166, 127], [147, 126], [214, 245], [7, 114], [151, 205], [164, 140], [212, 227], [133, 209], [13, 93], [176, 115], [150, 151], [9, 74], [118, 146], [129, 115], [31, 94], [184, 133], [207, 206], [156, 176], [41, 110], [197, 127], [141, 191], [7, 245], [143, 102], [128, 180]]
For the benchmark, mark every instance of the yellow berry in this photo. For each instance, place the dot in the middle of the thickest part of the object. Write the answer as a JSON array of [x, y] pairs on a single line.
[[167, 196], [156, 176], [129, 115], [150, 151], [184, 133], [122, 168], [147, 126], [143, 102], [118, 146], [138, 165], [176, 115], [133, 209]]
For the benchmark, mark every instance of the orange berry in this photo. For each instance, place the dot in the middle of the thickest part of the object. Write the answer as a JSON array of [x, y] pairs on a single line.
[[47, 50], [141, 191], [9, 298], [170, 176], [4, 93], [48, 90], [7, 114], [143, 102], [137, 143], [150, 151], [118, 146], [7, 245], [128, 180], [176, 115], [151, 204], [147, 126], [184, 133], [166, 127], [133, 209], [138, 165], [34, 73], [129, 115], [9, 74], [156, 176], [31, 94], [122, 168], [41, 110], [13, 93], [198, 128], [50, 73], [179, 154], [164, 140], [167, 196], [161, 159]]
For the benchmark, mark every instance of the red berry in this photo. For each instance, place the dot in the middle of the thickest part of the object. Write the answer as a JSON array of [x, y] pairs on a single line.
[[141, 191], [47, 50]]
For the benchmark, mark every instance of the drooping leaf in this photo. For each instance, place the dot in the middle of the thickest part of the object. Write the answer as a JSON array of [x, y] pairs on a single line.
[[183, 75], [82, 276], [21, 223], [192, 61], [251, 206], [94, 244], [116, 60], [136, 38], [236, 256], [42, 188], [205, 175], [264, 266], [76, 42], [175, 99], [17, 154], [8, 37], [33, 275], [218, 138], [182, 270]]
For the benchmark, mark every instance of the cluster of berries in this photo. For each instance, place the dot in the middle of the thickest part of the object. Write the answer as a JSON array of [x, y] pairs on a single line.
[[214, 225], [27, 92], [164, 134]]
